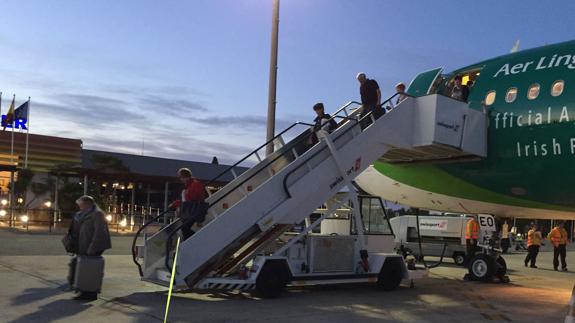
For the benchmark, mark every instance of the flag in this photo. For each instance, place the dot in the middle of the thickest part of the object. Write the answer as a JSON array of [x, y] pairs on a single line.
[[26, 107], [21, 112], [9, 116]]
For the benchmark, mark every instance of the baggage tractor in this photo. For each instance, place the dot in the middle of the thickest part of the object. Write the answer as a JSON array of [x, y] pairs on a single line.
[[89, 273]]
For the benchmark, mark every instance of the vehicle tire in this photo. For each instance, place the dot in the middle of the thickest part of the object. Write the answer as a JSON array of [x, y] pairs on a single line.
[[391, 274], [482, 267], [501, 270], [272, 279], [459, 258]]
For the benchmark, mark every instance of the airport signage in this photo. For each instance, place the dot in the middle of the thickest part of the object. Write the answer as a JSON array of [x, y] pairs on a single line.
[[19, 123], [487, 222]]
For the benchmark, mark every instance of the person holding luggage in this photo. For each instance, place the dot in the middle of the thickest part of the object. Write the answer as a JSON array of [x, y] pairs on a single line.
[[88, 237], [192, 207]]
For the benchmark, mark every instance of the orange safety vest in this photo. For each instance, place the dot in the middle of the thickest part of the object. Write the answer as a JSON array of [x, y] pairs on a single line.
[[533, 238], [558, 236], [472, 230]]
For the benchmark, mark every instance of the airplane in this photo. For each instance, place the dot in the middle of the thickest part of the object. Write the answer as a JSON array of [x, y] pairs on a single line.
[[529, 170]]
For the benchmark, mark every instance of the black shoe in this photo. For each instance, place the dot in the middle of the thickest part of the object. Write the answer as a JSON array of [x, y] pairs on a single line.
[[555, 269], [564, 269], [525, 264], [533, 266], [86, 296]]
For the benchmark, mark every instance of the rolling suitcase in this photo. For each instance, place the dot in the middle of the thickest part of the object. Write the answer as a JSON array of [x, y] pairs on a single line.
[[89, 273]]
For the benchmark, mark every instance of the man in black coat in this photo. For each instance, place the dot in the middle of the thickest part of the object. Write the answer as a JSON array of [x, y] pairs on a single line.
[[370, 99]]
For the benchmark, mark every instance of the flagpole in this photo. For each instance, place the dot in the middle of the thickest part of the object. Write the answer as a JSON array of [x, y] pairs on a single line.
[[12, 141], [27, 133]]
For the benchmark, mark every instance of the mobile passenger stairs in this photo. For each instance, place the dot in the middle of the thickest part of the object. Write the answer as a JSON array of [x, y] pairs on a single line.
[[238, 247]]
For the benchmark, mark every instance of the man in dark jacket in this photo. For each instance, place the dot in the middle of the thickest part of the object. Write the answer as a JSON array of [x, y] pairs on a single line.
[[322, 122], [370, 98], [90, 237], [459, 91]]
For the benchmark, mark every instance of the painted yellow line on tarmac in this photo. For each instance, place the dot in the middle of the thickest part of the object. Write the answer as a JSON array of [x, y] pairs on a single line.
[[172, 280]]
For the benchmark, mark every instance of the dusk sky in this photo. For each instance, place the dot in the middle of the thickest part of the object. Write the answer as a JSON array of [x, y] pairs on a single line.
[[190, 78]]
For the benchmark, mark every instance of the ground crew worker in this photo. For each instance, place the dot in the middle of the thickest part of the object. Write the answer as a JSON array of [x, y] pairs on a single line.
[[471, 236], [505, 237], [533, 245], [558, 237]]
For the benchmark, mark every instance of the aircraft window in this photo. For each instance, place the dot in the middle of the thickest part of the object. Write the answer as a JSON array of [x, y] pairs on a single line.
[[490, 98], [511, 95], [557, 88], [533, 91]]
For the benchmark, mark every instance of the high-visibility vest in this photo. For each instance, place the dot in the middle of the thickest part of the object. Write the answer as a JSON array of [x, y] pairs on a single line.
[[533, 238], [558, 236], [472, 229]]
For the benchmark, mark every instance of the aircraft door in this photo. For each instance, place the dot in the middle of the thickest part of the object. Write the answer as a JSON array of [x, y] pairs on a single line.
[[424, 83]]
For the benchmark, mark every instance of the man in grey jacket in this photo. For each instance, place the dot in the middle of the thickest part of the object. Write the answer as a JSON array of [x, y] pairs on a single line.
[[90, 237]]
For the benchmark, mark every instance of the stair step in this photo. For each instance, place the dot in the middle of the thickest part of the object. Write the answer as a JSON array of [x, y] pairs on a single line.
[[163, 275], [156, 281]]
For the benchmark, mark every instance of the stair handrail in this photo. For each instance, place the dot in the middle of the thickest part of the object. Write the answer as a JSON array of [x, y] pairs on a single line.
[[169, 246], [274, 138], [276, 157], [154, 219], [286, 189]]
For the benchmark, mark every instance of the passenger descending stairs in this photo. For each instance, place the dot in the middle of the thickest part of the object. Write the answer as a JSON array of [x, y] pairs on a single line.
[[286, 186]]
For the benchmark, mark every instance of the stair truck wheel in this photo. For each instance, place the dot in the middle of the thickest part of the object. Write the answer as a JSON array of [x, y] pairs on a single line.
[[391, 274], [272, 279], [501, 270], [482, 267], [459, 258]]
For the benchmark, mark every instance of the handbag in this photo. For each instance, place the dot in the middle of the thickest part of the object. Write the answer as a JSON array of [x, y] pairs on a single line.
[[68, 240], [193, 211]]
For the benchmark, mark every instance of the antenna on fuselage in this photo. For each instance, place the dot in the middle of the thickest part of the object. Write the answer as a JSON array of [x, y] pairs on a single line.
[[515, 47]]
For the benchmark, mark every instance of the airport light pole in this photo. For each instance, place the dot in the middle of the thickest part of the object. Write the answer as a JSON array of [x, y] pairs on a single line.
[[273, 78]]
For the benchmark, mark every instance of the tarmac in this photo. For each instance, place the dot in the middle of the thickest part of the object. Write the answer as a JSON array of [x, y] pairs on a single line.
[[33, 267]]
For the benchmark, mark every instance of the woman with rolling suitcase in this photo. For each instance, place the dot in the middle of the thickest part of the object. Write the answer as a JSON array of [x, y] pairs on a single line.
[[87, 238]]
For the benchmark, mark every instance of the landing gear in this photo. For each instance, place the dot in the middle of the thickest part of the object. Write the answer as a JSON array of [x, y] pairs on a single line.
[[484, 267], [481, 268]]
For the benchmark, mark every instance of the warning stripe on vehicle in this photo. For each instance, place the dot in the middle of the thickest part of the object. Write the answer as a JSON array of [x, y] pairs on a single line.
[[231, 286]]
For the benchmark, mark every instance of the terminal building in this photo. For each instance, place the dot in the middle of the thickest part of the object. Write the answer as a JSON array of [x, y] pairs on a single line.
[[58, 170]]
